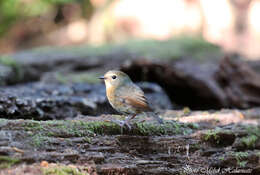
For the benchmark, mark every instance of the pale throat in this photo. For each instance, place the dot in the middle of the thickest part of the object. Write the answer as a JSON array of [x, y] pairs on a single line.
[[108, 85], [110, 92]]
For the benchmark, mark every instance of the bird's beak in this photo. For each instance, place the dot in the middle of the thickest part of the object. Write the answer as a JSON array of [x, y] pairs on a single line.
[[102, 78]]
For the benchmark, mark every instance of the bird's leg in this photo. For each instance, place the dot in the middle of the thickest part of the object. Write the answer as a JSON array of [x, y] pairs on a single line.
[[128, 118], [125, 122]]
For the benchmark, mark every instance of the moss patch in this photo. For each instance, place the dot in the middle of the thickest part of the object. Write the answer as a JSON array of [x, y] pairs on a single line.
[[175, 48], [169, 128], [253, 134], [82, 128], [41, 133], [240, 158], [63, 170], [249, 141], [252, 130], [7, 162], [86, 77], [212, 135], [10, 62], [219, 137]]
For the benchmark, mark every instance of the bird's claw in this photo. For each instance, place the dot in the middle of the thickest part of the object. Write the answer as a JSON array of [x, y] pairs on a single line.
[[122, 123]]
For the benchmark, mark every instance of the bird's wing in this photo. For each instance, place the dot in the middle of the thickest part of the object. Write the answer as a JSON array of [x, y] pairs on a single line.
[[134, 97]]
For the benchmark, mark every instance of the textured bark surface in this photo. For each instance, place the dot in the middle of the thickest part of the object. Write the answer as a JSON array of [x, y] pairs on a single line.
[[216, 141]]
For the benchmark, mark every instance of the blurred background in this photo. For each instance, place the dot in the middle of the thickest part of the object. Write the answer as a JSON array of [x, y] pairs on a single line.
[[233, 25]]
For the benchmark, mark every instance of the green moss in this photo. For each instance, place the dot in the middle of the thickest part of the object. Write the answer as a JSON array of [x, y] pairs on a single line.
[[40, 133], [195, 146], [87, 139], [39, 140], [3, 122], [7, 162], [78, 128], [186, 110], [193, 125], [222, 158], [62, 170], [168, 128], [253, 130], [88, 77], [242, 163], [249, 141], [9, 61], [258, 154], [253, 134], [174, 48], [101, 127], [32, 125], [212, 135], [240, 156]]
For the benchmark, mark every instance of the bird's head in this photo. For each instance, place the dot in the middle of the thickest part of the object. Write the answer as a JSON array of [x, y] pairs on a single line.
[[115, 78]]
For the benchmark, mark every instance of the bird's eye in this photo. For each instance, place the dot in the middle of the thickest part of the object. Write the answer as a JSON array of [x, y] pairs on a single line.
[[114, 77]]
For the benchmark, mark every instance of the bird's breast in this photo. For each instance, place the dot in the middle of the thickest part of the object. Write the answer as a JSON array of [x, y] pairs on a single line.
[[111, 96], [110, 91], [117, 103]]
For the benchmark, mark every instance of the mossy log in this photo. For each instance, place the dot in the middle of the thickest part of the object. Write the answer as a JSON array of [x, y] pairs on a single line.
[[89, 145]]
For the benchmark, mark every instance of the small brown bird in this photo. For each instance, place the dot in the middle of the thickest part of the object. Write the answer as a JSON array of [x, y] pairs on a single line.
[[124, 96]]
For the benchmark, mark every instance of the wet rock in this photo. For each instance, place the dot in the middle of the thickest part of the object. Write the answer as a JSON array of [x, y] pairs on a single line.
[[54, 101]]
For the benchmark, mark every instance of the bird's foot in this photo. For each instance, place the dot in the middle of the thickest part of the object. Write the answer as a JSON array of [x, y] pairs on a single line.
[[122, 123]]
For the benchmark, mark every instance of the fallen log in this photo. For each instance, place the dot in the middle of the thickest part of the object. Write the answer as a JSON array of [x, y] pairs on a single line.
[[230, 83]]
